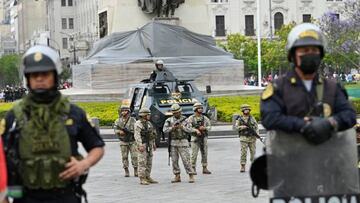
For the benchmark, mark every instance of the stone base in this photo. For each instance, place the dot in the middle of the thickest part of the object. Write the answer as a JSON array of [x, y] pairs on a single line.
[[168, 20]]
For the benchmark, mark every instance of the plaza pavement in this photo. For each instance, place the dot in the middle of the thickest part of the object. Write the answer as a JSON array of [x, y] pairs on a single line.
[[107, 184]]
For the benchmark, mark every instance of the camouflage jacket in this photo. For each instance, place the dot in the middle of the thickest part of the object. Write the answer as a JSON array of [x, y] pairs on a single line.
[[127, 125], [193, 121], [142, 135], [178, 136], [250, 122]]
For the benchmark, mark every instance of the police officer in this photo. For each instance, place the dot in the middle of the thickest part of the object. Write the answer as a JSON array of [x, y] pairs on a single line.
[[199, 126], [41, 136], [297, 101], [248, 129], [124, 129], [161, 73], [145, 141], [179, 145]]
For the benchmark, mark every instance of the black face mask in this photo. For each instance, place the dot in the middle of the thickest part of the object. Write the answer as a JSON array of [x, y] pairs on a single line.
[[310, 63], [44, 96]]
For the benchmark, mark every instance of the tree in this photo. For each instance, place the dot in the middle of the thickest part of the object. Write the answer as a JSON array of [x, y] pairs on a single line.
[[9, 70]]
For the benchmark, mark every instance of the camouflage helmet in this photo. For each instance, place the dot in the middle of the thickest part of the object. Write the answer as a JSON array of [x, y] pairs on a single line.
[[125, 105], [176, 108], [144, 112], [306, 34], [245, 107], [41, 58], [197, 105]]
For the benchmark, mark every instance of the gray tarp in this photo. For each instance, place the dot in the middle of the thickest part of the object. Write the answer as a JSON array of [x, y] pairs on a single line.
[[186, 54]]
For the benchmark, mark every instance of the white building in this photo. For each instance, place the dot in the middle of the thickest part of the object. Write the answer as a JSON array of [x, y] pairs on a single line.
[[221, 17]]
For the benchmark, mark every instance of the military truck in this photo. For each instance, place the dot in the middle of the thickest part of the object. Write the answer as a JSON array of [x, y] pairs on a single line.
[[158, 96]]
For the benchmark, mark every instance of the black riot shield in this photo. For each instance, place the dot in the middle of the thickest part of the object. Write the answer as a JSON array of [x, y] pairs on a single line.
[[300, 170]]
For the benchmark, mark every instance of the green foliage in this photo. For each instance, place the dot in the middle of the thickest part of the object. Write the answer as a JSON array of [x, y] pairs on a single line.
[[105, 111], [9, 70], [273, 52]]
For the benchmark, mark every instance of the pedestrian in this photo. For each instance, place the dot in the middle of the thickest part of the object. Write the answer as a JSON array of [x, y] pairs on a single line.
[[124, 129], [176, 127], [308, 113], [248, 132], [145, 135], [199, 126], [41, 137]]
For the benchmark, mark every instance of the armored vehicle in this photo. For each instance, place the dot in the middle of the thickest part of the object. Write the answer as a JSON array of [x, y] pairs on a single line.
[[158, 96]]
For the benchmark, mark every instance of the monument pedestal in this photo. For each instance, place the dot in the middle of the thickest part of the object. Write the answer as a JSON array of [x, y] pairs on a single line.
[[168, 20]]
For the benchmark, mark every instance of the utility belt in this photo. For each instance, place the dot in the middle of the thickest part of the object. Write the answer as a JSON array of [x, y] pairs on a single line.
[[127, 138], [49, 193], [179, 137]]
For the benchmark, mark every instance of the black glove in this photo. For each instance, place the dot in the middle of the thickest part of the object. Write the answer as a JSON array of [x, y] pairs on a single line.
[[317, 131]]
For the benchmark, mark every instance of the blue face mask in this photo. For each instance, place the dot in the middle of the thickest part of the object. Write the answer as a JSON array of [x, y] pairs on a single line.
[[310, 63]]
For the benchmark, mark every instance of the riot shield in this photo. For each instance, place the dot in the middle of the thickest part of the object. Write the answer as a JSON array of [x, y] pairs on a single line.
[[297, 168]]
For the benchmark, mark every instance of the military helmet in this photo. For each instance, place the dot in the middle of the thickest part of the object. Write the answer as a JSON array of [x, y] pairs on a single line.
[[357, 127], [144, 112], [125, 105], [245, 107], [176, 108], [197, 105], [306, 34], [159, 62], [41, 58]]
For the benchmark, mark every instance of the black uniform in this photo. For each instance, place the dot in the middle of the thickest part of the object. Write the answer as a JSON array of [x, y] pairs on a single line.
[[290, 102], [79, 131]]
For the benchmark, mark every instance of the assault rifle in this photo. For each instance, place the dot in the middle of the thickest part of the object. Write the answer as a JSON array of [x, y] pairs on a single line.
[[200, 139], [252, 130]]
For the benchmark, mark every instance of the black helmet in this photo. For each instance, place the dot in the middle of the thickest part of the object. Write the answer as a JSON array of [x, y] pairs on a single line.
[[41, 58]]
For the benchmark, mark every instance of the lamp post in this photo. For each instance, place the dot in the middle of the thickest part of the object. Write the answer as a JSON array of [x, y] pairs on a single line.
[[259, 43]]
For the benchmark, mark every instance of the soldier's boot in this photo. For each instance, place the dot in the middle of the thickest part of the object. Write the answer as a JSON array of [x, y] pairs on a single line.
[[127, 174], [143, 181], [205, 170], [191, 178], [242, 170], [150, 180], [135, 172], [194, 169], [177, 179]]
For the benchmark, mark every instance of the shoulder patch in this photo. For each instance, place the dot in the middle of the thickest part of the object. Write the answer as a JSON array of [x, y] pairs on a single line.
[[268, 92], [2, 126]]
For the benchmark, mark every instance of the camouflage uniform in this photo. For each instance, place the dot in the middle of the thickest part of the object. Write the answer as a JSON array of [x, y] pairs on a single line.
[[195, 139], [127, 142], [247, 139], [145, 157], [179, 144]]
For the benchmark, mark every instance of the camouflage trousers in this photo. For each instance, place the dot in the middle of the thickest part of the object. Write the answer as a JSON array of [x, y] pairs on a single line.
[[125, 150], [244, 147], [144, 163], [184, 153], [195, 147]]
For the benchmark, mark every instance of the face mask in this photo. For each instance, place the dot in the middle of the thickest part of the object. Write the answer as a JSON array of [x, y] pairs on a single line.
[[44, 96], [310, 63]]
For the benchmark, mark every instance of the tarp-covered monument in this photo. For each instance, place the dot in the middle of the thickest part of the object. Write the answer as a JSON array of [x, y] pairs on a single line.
[[128, 57]]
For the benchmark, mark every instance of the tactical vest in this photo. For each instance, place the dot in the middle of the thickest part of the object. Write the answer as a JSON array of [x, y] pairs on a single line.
[[178, 134], [147, 134], [197, 122], [129, 136], [246, 131], [306, 105], [44, 144]]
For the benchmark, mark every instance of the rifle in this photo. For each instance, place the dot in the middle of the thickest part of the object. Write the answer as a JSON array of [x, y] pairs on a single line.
[[252, 130], [145, 136], [203, 134]]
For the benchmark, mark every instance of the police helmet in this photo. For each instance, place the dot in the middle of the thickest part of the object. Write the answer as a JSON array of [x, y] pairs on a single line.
[[144, 112], [175, 108], [41, 58], [306, 34], [197, 105], [159, 62], [245, 107]]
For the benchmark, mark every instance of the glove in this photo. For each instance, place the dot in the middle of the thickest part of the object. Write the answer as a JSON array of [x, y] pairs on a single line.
[[317, 131]]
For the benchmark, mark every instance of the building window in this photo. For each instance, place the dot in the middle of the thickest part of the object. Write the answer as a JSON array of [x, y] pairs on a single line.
[[220, 26], [71, 23], [337, 16], [70, 3], [65, 43], [63, 2], [63, 23], [103, 25], [279, 20], [249, 25], [307, 18]]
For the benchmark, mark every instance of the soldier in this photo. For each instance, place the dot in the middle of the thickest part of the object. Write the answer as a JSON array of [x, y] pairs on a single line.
[[179, 145], [161, 73], [199, 126], [145, 141], [248, 129], [124, 129], [41, 137]]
